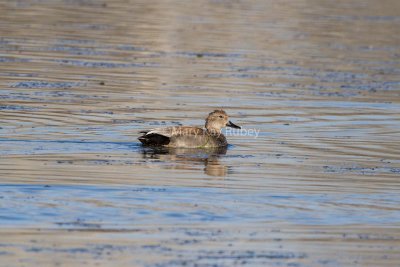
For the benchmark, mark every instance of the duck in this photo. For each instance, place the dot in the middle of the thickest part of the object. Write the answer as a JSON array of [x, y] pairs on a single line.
[[191, 136]]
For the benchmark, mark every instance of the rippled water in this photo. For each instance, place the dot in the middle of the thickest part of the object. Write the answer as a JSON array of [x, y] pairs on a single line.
[[319, 186]]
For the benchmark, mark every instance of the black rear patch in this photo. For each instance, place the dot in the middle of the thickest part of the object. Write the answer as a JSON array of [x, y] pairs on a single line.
[[154, 140]]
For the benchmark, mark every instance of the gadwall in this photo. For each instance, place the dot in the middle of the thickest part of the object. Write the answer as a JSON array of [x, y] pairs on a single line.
[[190, 136]]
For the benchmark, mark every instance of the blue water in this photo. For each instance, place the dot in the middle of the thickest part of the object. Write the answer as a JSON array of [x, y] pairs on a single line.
[[84, 206]]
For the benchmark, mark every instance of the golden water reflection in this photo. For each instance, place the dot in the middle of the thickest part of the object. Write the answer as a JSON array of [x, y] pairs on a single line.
[[186, 158]]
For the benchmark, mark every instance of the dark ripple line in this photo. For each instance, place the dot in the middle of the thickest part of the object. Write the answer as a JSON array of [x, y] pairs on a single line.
[[102, 64]]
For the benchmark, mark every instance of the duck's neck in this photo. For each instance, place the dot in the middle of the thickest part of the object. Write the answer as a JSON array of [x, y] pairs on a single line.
[[213, 130], [212, 127]]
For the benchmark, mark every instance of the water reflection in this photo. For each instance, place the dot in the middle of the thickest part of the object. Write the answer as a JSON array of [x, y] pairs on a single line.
[[187, 158]]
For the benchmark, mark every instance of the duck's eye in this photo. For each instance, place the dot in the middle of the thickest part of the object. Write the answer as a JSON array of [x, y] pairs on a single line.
[[221, 117]]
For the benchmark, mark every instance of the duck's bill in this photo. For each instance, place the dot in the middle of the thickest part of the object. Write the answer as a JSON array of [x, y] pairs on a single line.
[[232, 125]]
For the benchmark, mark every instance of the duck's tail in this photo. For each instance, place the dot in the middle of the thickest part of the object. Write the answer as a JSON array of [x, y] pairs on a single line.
[[153, 139]]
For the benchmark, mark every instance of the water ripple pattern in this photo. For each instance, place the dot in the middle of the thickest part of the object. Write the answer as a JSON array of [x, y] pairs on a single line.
[[312, 179]]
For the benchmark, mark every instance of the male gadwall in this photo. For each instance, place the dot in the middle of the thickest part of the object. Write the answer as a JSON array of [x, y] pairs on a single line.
[[190, 136]]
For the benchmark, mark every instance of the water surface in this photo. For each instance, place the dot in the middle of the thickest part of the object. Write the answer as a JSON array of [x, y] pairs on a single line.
[[319, 186]]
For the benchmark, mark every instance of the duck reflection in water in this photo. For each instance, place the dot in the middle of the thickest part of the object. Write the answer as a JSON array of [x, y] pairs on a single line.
[[189, 158]]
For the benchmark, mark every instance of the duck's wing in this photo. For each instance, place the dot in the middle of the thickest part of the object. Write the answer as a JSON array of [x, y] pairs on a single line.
[[175, 131]]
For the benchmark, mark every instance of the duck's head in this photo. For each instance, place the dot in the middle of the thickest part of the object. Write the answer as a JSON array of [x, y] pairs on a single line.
[[217, 120]]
